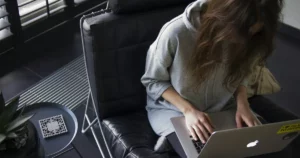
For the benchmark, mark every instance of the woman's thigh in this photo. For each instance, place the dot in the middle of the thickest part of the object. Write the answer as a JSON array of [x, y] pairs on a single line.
[[160, 120]]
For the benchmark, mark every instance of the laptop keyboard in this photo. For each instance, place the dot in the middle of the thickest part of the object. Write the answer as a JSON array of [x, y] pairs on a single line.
[[198, 144]]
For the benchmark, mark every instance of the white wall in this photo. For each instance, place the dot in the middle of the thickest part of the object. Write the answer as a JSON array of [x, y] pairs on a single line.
[[291, 13]]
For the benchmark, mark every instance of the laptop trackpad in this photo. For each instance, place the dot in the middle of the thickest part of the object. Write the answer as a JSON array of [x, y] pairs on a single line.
[[223, 120]]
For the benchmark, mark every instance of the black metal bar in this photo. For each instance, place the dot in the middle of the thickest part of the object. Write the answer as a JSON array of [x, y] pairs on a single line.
[[48, 8], [15, 21], [88, 76], [70, 7], [69, 3]]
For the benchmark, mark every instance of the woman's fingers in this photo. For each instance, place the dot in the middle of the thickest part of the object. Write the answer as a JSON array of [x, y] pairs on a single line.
[[257, 122], [239, 122], [192, 132], [203, 131], [209, 125], [199, 133], [249, 122], [208, 128]]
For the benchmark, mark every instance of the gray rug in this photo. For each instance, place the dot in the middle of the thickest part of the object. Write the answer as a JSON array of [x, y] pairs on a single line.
[[67, 86]]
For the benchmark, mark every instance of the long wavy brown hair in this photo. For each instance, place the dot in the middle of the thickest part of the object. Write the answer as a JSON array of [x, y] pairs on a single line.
[[236, 34]]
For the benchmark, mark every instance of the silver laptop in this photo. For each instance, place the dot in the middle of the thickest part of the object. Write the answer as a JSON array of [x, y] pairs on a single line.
[[228, 141]]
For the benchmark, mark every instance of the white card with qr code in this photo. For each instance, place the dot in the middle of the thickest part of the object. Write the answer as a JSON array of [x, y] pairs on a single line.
[[53, 126]]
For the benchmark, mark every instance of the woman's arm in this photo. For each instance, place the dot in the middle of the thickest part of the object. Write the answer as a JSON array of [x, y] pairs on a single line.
[[175, 99], [157, 82], [197, 122], [244, 112], [241, 95], [156, 78]]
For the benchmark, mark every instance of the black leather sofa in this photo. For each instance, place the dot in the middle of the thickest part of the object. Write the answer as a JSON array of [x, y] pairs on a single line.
[[116, 42]]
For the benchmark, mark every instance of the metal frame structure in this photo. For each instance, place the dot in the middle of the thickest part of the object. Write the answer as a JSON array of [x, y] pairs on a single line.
[[86, 120]]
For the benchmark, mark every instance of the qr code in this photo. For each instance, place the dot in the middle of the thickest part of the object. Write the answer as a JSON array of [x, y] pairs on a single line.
[[53, 126]]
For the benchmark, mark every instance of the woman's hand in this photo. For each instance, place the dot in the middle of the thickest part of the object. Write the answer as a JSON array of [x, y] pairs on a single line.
[[244, 114], [199, 124]]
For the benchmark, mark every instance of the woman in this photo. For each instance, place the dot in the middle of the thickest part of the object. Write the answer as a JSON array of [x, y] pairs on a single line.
[[200, 62]]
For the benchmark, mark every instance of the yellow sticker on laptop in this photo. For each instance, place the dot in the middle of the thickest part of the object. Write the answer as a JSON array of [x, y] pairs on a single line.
[[289, 128]]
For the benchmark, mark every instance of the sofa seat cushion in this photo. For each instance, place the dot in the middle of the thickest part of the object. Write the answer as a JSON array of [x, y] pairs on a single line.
[[130, 135]]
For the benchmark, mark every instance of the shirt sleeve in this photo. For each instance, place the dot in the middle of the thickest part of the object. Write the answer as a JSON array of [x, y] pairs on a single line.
[[159, 59]]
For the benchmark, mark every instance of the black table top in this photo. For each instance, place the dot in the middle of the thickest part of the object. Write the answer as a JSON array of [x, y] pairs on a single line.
[[59, 143]]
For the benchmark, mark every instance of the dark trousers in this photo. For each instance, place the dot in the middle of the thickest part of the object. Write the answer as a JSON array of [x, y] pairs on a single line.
[[271, 113]]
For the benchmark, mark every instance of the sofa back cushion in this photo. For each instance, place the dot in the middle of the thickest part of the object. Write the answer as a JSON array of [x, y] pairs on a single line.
[[116, 49], [129, 6]]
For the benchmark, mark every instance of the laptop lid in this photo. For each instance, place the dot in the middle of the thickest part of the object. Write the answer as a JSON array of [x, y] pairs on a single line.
[[251, 141]]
